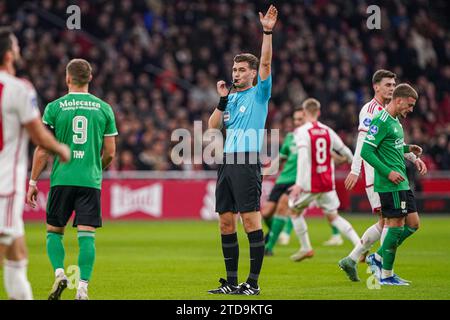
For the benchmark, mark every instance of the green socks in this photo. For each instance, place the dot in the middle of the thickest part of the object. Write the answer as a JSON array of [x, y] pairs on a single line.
[[268, 222], [288, 226], [408, 231], [389, 247], [86, 257], [278, 223], [55, 250], [334, 231]]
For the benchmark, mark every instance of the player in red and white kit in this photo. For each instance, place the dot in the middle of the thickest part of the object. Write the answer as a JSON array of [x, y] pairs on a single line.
[[383, 82], [315, 178], [19, 118]]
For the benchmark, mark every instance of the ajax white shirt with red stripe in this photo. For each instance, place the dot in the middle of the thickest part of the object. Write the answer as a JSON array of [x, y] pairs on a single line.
[[315, 168], [18, 106], [367, 113]]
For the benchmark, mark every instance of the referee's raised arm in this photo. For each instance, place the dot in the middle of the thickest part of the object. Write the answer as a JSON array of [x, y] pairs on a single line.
[[268, 22]]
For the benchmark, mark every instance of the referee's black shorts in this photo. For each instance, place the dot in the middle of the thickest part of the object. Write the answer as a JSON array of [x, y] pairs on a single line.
[[238, 187], [64, 200]]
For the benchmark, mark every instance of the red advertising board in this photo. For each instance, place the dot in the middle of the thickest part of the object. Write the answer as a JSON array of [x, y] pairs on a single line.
[[195, 199], [151, 199]]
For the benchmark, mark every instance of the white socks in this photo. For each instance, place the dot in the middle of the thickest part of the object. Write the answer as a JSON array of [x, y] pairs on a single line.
[[386, 273], [346, 229], [83, 285], [372, 235], [59, 273], [301, 230], [16, 281]]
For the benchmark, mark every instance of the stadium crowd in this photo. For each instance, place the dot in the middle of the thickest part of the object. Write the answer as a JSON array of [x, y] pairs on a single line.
[[157, 63]]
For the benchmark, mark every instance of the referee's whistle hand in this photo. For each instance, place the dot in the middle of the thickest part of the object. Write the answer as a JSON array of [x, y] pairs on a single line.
[[222, 88]]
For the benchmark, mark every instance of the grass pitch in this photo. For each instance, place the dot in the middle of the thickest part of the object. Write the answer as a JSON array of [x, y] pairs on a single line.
[[181, 260]]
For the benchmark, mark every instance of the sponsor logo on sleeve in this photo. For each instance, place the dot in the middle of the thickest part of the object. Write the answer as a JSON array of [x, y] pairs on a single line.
[[373, 129], [34, 103], [367, 122], [399, 143]]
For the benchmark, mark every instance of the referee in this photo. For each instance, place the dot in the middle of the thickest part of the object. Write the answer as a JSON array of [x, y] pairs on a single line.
[[239, 179]]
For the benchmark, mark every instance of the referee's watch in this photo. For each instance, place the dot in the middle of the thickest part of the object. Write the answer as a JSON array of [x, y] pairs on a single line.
[[267, 32]]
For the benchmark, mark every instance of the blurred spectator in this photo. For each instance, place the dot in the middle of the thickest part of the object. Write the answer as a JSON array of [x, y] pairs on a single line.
[[157, 63]]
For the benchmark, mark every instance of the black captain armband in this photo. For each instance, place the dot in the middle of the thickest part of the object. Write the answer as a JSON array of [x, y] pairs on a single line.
[[222, 103], [50, 128]]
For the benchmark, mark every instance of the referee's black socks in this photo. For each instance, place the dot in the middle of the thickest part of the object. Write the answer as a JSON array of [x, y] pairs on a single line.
[[256, 239], [230, 249]]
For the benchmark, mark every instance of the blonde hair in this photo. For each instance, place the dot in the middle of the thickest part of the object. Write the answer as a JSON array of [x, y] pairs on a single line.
[[311, 106]]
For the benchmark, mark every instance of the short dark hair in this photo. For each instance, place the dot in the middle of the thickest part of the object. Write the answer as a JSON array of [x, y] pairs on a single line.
[[298, 108], [5, 41], [380, 74], [404, 90], [80, 70], [253, 61]]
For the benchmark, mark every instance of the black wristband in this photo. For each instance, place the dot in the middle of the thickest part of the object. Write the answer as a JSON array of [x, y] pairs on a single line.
[[267, 32], [222, 103]]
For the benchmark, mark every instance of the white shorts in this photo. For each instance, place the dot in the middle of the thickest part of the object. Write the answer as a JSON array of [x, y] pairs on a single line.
[[327, 201], [11, 222], [374, 199]]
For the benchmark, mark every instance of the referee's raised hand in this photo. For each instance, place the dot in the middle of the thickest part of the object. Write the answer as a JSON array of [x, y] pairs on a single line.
[[268, 21]]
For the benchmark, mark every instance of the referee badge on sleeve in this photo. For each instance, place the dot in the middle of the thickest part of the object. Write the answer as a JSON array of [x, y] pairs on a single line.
[[226, 116]]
